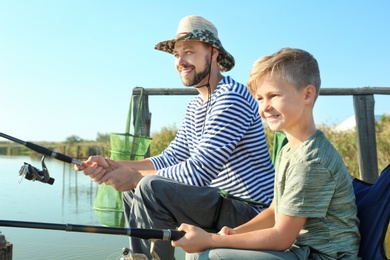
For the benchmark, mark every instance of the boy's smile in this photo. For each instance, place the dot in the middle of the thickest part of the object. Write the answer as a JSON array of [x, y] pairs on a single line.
[[280, 103]]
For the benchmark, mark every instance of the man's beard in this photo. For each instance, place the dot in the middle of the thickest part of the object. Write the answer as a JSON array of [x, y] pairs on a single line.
[[199, 76]]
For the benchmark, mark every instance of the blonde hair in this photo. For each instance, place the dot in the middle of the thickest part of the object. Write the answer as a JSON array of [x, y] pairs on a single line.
[[295, 66]]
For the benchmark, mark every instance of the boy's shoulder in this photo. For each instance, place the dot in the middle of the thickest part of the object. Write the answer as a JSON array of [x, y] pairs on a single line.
[[316, 149], [316, 143], [319, 150]]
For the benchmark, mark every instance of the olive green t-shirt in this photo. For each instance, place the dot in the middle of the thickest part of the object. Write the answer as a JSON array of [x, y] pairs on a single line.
[[312, 182]]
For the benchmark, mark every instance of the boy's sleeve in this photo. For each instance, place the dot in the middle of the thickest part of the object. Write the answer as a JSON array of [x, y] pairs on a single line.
[[309, 189]]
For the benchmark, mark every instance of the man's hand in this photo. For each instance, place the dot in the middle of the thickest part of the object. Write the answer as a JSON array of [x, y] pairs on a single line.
[[120, 176], [95, 168], [117, 174]]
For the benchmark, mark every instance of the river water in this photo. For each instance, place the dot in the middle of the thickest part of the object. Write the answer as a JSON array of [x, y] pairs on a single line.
[[68, 201]]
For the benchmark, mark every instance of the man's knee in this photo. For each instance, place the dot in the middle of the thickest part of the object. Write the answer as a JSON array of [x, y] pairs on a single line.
[[146, 182]]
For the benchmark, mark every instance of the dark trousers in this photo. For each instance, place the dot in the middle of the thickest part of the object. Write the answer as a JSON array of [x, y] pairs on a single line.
[[162, 203]]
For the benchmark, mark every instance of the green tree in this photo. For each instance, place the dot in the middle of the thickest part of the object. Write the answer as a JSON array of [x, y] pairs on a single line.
[[103, 138], [382, 129], [162, 139], [73, 139]]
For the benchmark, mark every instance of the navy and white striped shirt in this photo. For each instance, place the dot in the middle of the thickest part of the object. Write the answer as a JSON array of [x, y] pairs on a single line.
[[232, 152]]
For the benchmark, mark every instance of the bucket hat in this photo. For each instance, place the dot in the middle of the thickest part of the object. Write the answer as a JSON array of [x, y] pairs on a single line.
[[197, 28]]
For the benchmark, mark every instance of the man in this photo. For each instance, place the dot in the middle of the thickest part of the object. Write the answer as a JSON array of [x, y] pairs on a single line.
[[220, 146]]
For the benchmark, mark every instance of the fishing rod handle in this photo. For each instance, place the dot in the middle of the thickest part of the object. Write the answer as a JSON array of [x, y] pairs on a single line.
[[162, 234], [176, 235]]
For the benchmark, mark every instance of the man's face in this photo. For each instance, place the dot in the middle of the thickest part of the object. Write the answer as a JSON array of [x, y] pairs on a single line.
[[192, 61]]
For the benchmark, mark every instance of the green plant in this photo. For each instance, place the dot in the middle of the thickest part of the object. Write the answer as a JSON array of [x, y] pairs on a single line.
[[162, 139], [345, 144]]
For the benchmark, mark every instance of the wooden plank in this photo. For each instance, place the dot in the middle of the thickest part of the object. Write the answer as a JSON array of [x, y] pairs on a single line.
[[366, 137], [354, 91], [323, 91], [166, 91]]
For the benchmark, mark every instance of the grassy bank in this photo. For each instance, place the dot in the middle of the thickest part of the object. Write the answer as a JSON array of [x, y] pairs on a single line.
[[344, 141], [80, 150]]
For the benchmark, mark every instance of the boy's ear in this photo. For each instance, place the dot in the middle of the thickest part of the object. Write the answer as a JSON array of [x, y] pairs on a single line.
[[310, 93]]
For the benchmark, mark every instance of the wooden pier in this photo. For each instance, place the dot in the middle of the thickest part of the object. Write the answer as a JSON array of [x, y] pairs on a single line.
[[363, 101]]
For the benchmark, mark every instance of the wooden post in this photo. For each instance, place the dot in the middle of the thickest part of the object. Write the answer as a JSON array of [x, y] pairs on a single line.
[[366, 137], [5, 249], [146, 116], [78, 152]]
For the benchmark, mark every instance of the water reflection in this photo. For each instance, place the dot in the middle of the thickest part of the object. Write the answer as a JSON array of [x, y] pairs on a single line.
[[69, 200], [77, 194]]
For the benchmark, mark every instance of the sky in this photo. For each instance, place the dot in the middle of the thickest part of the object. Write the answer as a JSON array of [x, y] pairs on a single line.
[[68, 67]]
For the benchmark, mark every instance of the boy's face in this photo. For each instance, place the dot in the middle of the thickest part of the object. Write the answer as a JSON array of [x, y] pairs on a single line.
[[192, 60], [280, 104]]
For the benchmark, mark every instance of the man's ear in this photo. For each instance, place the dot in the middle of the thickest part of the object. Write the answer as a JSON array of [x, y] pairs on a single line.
[[215, 54]]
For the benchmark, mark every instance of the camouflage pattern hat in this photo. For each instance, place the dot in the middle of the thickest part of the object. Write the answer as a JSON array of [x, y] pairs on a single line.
[[197, 28]]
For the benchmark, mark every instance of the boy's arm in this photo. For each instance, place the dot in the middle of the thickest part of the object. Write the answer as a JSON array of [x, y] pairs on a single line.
[[261, 233], [266, 219], [280, 237]]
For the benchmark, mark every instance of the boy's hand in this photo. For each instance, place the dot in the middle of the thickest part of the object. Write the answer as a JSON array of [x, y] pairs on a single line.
[[226, 231], [194, 240]]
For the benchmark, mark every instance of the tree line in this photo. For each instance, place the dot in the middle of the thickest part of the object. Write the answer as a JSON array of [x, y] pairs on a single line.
[[344, 142]]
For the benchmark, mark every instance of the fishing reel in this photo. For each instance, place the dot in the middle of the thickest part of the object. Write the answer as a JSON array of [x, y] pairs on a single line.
[[33, 174], [129, 255]]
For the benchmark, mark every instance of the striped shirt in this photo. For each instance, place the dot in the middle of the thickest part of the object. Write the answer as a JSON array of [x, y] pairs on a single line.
[[222, 147]]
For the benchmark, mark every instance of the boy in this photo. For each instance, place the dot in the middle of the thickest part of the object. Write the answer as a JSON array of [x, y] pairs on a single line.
[[313, 214]]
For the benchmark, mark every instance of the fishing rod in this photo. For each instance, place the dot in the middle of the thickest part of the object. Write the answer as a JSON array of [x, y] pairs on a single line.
[[30, 172], [43, 150], [159, 234], [150, 234]]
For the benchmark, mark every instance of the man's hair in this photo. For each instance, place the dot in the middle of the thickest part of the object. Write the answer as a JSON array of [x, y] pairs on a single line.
[[295, 66]]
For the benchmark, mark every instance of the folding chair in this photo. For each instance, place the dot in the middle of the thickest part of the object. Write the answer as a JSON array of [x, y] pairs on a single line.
[[372, 201], [280, 140]]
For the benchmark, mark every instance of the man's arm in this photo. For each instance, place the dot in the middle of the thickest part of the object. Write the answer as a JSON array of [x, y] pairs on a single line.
[[144, 165]]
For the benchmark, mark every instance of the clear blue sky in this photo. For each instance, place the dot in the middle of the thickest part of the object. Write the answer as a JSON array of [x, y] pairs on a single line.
[[67, 67]]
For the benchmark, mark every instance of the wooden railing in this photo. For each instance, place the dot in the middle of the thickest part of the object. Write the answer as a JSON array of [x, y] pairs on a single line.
[[363, 101]]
